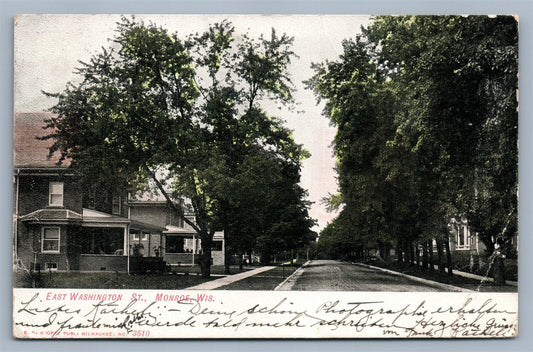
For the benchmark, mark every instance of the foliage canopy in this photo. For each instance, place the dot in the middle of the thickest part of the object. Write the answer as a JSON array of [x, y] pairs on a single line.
[[189, 108], [426, 111]]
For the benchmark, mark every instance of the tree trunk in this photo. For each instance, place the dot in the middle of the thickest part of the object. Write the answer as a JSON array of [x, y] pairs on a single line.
[[205, 256], [399, 253], [498, 271], [240, 260], [417, 253], [205, 262], [424, 255], [449, 262], [431, 263], [440, 252], [227, 258], [408, 251], [412, 249]]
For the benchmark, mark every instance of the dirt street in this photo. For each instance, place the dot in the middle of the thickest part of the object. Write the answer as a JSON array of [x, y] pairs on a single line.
[[330, 275]]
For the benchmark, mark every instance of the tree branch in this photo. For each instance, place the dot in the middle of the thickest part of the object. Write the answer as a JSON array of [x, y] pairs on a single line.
[[171, 204]]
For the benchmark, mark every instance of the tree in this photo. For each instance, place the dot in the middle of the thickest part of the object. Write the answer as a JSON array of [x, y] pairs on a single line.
[[425, 108], [189, 107], [465, 69], [374, 186]]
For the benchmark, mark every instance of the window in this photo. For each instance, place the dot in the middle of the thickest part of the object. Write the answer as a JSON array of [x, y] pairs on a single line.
[[117, 203], [108, 241], [217, 246], [173, 219], [175, 244], [50, 266], [50, 240], [140, 237], [463, 237], [90, 202], [56, 194]]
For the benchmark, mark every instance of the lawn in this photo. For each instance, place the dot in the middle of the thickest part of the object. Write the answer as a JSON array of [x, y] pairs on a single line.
[[455, 280], [265, 281], [178, 278], [164, 281], [215, 269]]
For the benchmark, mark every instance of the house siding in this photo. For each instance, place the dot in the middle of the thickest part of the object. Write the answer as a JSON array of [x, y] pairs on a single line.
[[153, 215], [29, 248], [95, 262], [218, 257], [33, 195]]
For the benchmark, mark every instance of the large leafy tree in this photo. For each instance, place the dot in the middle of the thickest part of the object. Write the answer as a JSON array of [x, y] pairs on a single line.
[[360, 101], [155, 104], [463, 70], [268, 214], [426, 112]]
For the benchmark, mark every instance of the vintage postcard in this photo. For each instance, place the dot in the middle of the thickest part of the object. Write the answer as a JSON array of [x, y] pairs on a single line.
[[254, 176]]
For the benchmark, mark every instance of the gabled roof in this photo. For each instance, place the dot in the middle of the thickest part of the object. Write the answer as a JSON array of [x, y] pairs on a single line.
[[28, 151]]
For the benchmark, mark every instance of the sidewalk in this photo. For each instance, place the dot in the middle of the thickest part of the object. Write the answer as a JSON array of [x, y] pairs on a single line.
[[211, 285], [289, 282], [478, 277], [447, 287]]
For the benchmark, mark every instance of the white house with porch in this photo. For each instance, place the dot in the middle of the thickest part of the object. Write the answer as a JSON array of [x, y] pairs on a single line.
[[178, 243]]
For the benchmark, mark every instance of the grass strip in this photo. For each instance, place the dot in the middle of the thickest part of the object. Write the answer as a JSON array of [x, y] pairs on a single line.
[[265, 281], [164, 281], [455, 280]]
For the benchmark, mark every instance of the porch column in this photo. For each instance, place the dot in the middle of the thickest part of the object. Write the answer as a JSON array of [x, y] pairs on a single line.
[[193, 247], [127, 246], [224, 248]]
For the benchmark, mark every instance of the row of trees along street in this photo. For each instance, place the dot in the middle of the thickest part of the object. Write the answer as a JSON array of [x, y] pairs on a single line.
[[426, 112], [154, 104]]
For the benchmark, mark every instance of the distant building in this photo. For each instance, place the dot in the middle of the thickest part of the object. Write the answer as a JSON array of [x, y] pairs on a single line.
[[464, 238]]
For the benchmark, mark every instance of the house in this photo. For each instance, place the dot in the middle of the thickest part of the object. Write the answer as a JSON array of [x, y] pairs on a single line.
[[52, 228], [463, 238], [59, 225], [179, 243]]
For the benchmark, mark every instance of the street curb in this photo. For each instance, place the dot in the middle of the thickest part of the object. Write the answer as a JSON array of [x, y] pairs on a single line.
[[424, 281], [291, 280]]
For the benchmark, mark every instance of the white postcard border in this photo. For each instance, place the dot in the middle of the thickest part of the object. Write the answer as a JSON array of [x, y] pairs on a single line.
[[526, 170]]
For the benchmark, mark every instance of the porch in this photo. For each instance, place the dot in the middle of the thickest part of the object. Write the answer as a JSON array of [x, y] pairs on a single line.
[[181, 248], [106, 244]]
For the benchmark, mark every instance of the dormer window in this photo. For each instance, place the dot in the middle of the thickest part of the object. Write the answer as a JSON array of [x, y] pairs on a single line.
[[55, 197], [117, 205]]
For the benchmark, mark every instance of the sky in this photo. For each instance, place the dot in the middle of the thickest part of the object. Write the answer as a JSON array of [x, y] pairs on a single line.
[[47, 49]]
